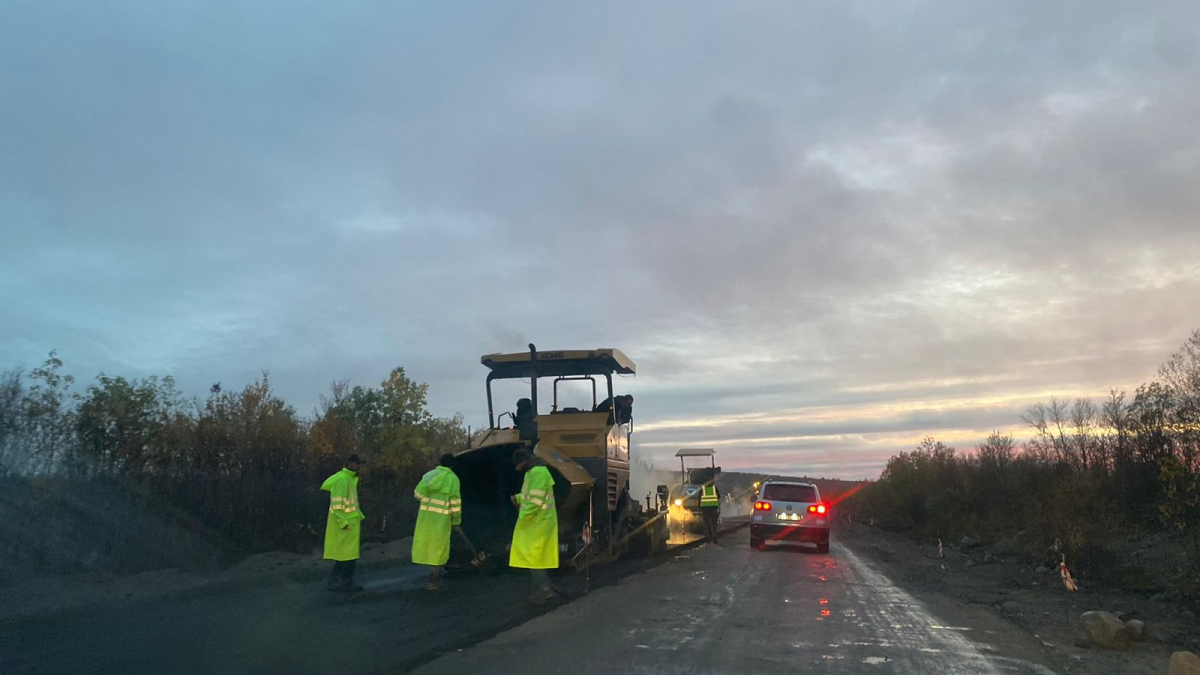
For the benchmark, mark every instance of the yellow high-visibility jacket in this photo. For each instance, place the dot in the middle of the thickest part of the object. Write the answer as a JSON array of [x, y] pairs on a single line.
[[535, 538], [441, 510], [342, 525]]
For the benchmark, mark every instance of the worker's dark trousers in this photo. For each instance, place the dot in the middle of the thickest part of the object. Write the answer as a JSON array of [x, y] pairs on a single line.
[[343, 569], [541, 580], [710, 521]]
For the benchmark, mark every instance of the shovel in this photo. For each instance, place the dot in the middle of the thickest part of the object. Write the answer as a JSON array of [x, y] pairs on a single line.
[[479, 560]]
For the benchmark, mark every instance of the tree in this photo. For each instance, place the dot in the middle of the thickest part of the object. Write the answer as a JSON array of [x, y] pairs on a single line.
[[1049, 422], [997, 452], [120, 423], [46, 420], [11, 393], [1181, 375]]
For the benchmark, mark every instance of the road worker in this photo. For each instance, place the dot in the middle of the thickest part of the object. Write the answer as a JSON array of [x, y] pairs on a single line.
[[524, 420], [710, 508], [343, 525], [535, 537], [619, 409], [441, 511]]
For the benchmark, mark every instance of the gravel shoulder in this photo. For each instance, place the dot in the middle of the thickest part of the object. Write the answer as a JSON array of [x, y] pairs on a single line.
[[1012, 597]]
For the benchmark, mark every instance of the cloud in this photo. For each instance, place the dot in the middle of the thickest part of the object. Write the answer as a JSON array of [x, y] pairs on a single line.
[[780, 210]]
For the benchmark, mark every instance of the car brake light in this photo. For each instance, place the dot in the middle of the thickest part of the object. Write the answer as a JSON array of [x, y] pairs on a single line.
[[762, 506], [818, 509]]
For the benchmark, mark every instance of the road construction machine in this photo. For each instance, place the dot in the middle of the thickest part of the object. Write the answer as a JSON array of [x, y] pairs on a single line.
[[586, 450], [684, 500]]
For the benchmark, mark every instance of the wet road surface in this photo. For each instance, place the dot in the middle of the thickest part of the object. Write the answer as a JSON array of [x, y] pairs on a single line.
[[707, 609], [729, 609], [286, 626]]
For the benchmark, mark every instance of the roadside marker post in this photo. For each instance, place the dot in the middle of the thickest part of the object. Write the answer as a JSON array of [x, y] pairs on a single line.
[[1068, 582]]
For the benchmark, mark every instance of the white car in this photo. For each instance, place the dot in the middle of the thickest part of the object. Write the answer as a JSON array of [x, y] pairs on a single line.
[[788, 511]]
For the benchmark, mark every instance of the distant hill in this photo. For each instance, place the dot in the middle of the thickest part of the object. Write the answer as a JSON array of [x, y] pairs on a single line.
[[737, 484]]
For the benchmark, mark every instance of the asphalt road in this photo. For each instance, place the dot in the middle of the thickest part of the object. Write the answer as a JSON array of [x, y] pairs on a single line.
[[705, 609], [729, 609], [288, 626]]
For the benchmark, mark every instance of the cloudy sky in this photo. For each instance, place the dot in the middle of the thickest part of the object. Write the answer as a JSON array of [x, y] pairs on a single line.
[[822, 229]]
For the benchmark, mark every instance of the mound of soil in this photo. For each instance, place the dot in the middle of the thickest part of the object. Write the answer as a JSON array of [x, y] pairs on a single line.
[[71, 526]]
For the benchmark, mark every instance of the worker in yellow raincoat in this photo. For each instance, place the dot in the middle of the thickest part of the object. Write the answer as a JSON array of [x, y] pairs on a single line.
[[342, 526], [441, 511], [535, 537]]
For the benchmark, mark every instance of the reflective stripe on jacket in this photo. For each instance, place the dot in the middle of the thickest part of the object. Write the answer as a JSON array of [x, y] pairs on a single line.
[[441, 510], [535, 538], [708, 496], [342, 526]]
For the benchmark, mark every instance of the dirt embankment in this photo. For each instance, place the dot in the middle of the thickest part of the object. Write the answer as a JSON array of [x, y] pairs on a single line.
[[1030, 596], [44, 595], [71, 526], [69, 544]]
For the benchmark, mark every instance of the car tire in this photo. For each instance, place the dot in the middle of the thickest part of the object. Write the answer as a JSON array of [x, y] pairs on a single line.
[[756, 544], [823, 547]]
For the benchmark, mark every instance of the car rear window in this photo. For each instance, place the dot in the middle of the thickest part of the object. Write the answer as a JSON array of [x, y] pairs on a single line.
[[790, 493]]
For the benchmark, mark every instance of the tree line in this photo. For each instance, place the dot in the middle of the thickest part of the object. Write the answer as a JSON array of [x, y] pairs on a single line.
[[1092, 473], [241, 462]]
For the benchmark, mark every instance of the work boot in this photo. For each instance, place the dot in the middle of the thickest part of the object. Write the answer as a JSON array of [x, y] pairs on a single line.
[[343, 585], [435, 586], [542, 596]]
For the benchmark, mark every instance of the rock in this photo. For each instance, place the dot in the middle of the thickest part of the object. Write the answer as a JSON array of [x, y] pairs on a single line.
[[1042, 570], [1184, 663], [969, 542], [1011, 607], [989, 558], [1007, 547], [1106, 631], [969, 563], [1137, 630]]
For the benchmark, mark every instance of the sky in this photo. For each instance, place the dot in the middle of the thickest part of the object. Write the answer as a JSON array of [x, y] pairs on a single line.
[[823, 230]]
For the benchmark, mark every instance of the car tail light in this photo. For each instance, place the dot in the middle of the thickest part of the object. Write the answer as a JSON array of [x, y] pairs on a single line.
[[762, 506], [819, 509]]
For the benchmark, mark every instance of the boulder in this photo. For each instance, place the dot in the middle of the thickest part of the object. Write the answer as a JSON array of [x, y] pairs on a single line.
[[1137, 630], [1184, 663], [969, 542], [1106, 631]]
